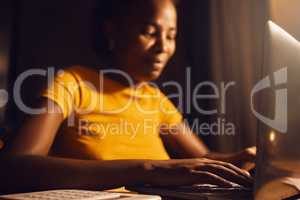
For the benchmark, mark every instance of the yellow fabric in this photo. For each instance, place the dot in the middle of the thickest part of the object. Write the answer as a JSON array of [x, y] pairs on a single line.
[[106, 120]]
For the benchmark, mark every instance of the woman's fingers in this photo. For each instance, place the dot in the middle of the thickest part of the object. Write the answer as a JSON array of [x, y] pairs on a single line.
[[197, 171], [226, 173], [251, 151], [203, 177], [235, 169]]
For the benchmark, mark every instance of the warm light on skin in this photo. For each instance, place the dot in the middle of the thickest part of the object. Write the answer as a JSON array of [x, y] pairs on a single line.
[[272, 137], [144, 50]]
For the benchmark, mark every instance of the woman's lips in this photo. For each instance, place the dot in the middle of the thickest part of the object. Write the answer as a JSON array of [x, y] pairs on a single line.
[[157, 63], [157, 66]]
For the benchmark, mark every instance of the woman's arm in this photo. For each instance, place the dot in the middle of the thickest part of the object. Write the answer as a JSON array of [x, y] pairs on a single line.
[[183, 143], [37, 134], [29, 168], [21, 173]]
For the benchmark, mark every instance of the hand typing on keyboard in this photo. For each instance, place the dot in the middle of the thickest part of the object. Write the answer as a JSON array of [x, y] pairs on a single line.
[[197, 171]]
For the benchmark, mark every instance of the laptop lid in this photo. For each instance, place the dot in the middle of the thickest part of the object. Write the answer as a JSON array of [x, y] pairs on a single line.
[[278, 112]]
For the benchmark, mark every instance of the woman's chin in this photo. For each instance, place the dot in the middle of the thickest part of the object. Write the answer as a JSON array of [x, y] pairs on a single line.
[[153, 75], [149, 77]]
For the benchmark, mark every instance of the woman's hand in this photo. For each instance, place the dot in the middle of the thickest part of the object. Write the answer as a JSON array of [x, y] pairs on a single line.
[[195, 171], [181, 142], [244, 159]]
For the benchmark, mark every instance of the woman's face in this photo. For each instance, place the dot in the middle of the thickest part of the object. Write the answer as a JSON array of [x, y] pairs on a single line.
[[146, 39]]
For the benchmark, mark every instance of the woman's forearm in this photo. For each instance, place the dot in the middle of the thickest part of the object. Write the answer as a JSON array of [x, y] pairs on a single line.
[[31, 173], [225, 157], [21, 173]]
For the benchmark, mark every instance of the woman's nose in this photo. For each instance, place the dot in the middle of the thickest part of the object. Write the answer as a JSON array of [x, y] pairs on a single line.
[[162, 44]]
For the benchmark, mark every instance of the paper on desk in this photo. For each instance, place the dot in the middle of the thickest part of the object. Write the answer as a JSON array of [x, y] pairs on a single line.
[[294, 182]]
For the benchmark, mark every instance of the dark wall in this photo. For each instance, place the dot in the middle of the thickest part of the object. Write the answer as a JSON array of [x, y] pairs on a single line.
[[6, 21], [56, 32]]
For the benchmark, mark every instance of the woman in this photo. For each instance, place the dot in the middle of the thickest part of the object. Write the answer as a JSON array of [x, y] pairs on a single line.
[[141, 39]]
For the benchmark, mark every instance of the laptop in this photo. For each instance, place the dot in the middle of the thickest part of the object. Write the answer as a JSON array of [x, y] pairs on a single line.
[[278, 139], [278, 161]]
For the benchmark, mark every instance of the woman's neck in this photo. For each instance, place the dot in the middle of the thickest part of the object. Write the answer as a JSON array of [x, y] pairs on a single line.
[[120, 75]]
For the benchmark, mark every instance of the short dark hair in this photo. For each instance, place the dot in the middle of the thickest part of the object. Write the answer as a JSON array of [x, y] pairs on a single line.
[[109, 10]]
